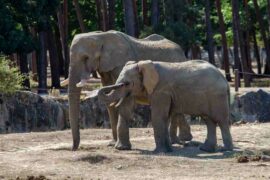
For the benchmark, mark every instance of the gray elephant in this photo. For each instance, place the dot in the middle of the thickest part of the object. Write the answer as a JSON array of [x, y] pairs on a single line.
[[107, 53], [193, 87]]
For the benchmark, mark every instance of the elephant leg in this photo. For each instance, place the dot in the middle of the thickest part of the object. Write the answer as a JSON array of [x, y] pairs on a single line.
[[113, 116], [226, 135], [125, 115], [211, 140], [184, 128], [173, 130], [160, 123]]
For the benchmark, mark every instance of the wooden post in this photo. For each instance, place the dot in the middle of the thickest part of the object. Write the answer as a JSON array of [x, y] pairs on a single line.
[[236, 80]]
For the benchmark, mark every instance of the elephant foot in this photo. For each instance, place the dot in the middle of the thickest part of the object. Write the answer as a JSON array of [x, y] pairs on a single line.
[[176, 140], [225, 148], [75, 145], [112, 143], [185, 136], [122, 146], [163, 150], [208, 147]]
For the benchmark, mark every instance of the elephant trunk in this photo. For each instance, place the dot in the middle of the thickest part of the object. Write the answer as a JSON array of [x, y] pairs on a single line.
[[112, 93], [74, 105]]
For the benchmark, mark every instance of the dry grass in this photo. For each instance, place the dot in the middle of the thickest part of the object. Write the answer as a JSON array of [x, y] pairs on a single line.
[[48, 156]]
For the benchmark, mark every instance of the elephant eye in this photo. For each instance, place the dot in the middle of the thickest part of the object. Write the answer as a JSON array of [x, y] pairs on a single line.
[[126, 83]]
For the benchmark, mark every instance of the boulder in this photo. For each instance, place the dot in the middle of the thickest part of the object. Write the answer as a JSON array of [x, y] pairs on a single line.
[[25, 111], [251, 107]]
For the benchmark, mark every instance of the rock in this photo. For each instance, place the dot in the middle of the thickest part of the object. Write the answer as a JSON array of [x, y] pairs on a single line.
[[251, 107], [25, 111]]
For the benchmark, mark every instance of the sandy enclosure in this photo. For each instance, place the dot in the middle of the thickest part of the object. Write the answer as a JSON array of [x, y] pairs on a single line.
[[48, 155]]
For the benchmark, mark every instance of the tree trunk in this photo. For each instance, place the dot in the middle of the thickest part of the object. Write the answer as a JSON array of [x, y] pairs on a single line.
[[268, 11], [224, 41], [210, 40], [135, 11], [59, 51], [237, 64], [99, 14], [79, 15], [24, 70], [111, 8], [154, 13], [42, 64], [264, 37], [256, 51], [104, 13], [129, 17], [247, 37], [145, 18], [241, 42], [62, 24], [55, 76]]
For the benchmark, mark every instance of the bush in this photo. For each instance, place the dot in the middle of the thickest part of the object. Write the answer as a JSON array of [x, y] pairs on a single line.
[[10, 77]]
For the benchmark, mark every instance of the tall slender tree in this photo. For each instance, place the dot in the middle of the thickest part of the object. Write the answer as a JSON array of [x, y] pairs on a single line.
[[263, 34], [111, 13], [130, 19], [239, 38], [237, 63], [155, 13], [209, 33], [79, 15], [223, 40]]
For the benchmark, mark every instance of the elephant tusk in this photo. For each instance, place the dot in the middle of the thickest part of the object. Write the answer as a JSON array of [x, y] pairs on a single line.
[[113, 104], [119, 102], [82, 83], [65, 82]]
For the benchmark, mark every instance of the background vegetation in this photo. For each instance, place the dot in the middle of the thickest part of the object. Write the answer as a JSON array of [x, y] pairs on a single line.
[[37, 33]]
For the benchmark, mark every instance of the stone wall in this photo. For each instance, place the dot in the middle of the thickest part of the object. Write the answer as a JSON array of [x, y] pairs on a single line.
[[26, 111]]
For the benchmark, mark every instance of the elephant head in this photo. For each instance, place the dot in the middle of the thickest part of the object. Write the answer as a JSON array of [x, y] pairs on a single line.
[[136, 79], [90, 52]]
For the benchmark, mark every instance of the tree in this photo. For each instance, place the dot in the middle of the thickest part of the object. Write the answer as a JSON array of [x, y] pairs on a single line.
[[111, 7], [79, 15], [223, 40], [130, 17], [263, 34], [209, 34], [145, 17], [155, 13]]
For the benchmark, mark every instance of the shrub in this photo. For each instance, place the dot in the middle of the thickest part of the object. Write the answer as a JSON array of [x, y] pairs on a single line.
[[10, 77]]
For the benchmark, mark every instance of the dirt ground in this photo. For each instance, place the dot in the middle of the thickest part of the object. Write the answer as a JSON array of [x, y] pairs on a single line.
[[48, 156]]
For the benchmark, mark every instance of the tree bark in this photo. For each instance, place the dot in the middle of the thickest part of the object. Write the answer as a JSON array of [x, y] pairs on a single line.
[[239, 32], [62, 25], [79, 15], [224, 41], [129, 17], [55, 75], [145, 18], [24, 70], [42, 64], [247, 37], [209, 36], [237, 63], [256, 51], [104, 13], [154, 13], [263, 34], [111, 8]]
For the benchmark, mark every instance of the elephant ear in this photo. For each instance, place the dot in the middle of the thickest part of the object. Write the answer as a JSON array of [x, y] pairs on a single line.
[[150, 75]]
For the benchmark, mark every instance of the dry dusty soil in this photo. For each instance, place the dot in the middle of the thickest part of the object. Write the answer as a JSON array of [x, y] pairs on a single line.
[[48, 156]]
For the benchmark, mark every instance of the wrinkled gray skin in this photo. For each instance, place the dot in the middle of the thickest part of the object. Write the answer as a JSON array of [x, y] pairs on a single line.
[[193, 87], [107, 53]]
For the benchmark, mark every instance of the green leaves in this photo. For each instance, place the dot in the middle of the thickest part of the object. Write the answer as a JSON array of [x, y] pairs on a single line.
[[10, 78]]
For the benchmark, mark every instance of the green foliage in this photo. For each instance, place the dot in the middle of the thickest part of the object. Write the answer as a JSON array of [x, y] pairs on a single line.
[[10, 78]]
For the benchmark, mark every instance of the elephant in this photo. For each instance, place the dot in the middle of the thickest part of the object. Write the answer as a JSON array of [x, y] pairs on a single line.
[[193, 87], [107, 53]]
